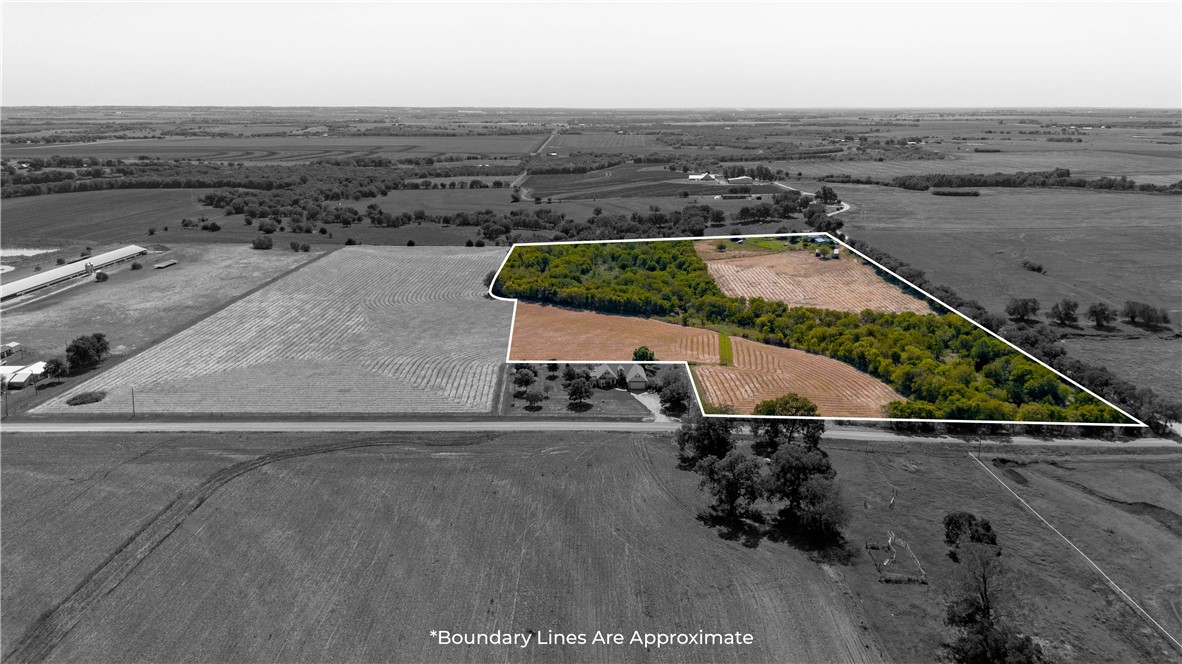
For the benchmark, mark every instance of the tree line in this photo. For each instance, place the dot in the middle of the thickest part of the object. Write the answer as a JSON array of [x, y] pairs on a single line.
[[1058, 177]]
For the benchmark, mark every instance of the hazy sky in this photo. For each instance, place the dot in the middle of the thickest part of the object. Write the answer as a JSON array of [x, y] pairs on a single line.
[[600, 54]]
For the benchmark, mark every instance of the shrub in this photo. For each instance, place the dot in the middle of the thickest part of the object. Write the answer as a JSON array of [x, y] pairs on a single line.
[[480, 243], [85, 398], [1032, 266], [410, 243], [268, 227], [101, 276], [295, 246], [211, 226], [61, 261], [466, 244], [350, 242], [261, 242], [323, 230], [137, 266], [305, 247], [165, 229], [151, 230], [248, 221]]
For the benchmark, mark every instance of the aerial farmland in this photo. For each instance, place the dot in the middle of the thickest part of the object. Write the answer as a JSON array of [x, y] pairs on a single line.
[[369, 393]]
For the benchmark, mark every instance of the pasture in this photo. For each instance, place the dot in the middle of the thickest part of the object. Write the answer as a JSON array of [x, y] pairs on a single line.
[[339, 547], [609, 404], [758, 371], [627, 143], [1096, 498], [364, 330], [288, 149], [800, 279], [1143, 360]]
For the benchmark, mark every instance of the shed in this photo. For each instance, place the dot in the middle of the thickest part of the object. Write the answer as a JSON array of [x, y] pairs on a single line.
[[742, 179], [701, 177], [161, 266], [27, 376], [7, 350]]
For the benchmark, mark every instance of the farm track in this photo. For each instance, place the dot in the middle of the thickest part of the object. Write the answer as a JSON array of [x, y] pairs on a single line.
[[40, 639], [363, 330]]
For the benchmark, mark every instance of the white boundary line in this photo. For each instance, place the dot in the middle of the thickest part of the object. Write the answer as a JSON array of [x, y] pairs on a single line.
[[1111, 583], [508, 351]]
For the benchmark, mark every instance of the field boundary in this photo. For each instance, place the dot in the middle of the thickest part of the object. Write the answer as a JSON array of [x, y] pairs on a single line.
[[1136, 422], [1120, 591]]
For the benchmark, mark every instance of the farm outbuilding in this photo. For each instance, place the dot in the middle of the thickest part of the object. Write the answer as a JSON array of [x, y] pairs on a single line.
[[26, 376], [7, 350], [67, 272], [701, 177], [742, 179]]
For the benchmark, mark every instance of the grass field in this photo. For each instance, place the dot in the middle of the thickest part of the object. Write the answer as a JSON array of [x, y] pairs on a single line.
[[288, 149], [629, 143], [351, 548], [1092, 499], [1093, 246], [1144, 360], [758, 372], [799, 279], [136, 308], [364, 330], [118, 216]]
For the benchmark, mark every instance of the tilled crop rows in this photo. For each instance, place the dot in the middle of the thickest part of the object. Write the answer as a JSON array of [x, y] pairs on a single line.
[[800, 279], [364, 330], [545, 332], [763, 372]]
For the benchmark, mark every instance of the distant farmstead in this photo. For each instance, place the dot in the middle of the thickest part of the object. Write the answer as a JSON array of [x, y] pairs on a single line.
[[66, 272], [701, 177], [742, 179]]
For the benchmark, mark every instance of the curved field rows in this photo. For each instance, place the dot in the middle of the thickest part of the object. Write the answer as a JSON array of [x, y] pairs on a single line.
[[798, 278], [765, 372], [364, 330], [543, 332]]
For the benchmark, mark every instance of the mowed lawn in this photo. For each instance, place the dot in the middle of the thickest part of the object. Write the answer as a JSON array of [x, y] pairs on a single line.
[[357, 550], [1096, 498], [364, 330]]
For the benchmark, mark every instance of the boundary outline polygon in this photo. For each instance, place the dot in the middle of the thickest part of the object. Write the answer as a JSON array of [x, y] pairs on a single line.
[[509, 349]]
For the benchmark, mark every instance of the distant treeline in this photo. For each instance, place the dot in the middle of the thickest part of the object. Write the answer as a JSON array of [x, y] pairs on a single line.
[[956, 192], [319, 181], [946, 366], [1059, 177]]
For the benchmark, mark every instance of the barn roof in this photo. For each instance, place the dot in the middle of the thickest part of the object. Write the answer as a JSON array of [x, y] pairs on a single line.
[[75, 269]]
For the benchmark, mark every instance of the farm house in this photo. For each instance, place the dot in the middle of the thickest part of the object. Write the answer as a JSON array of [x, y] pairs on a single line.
[[607, 376], [26, 376], [67, 272], [701, 177]]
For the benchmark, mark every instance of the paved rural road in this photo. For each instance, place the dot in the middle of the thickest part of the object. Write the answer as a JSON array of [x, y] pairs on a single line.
[[833, 432]]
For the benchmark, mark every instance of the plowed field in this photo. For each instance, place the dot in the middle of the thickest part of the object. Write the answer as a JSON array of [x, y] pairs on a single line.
[[763, 372], [798, 278], [759, 372], [365, 330], [544, 332]]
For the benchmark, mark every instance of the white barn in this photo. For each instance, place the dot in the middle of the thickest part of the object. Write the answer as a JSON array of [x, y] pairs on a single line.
[[67, 272]]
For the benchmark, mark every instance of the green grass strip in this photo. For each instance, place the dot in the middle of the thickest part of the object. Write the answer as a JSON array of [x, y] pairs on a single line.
[[725, 354]]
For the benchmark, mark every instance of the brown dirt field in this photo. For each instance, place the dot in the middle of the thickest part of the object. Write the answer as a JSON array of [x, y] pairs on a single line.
[[1091, 497], [763, 372], [543, 332], [759, 372], [355, 552], [798, 278]]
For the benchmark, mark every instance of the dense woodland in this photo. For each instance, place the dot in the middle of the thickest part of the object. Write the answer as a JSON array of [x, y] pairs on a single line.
[[947, 367]]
